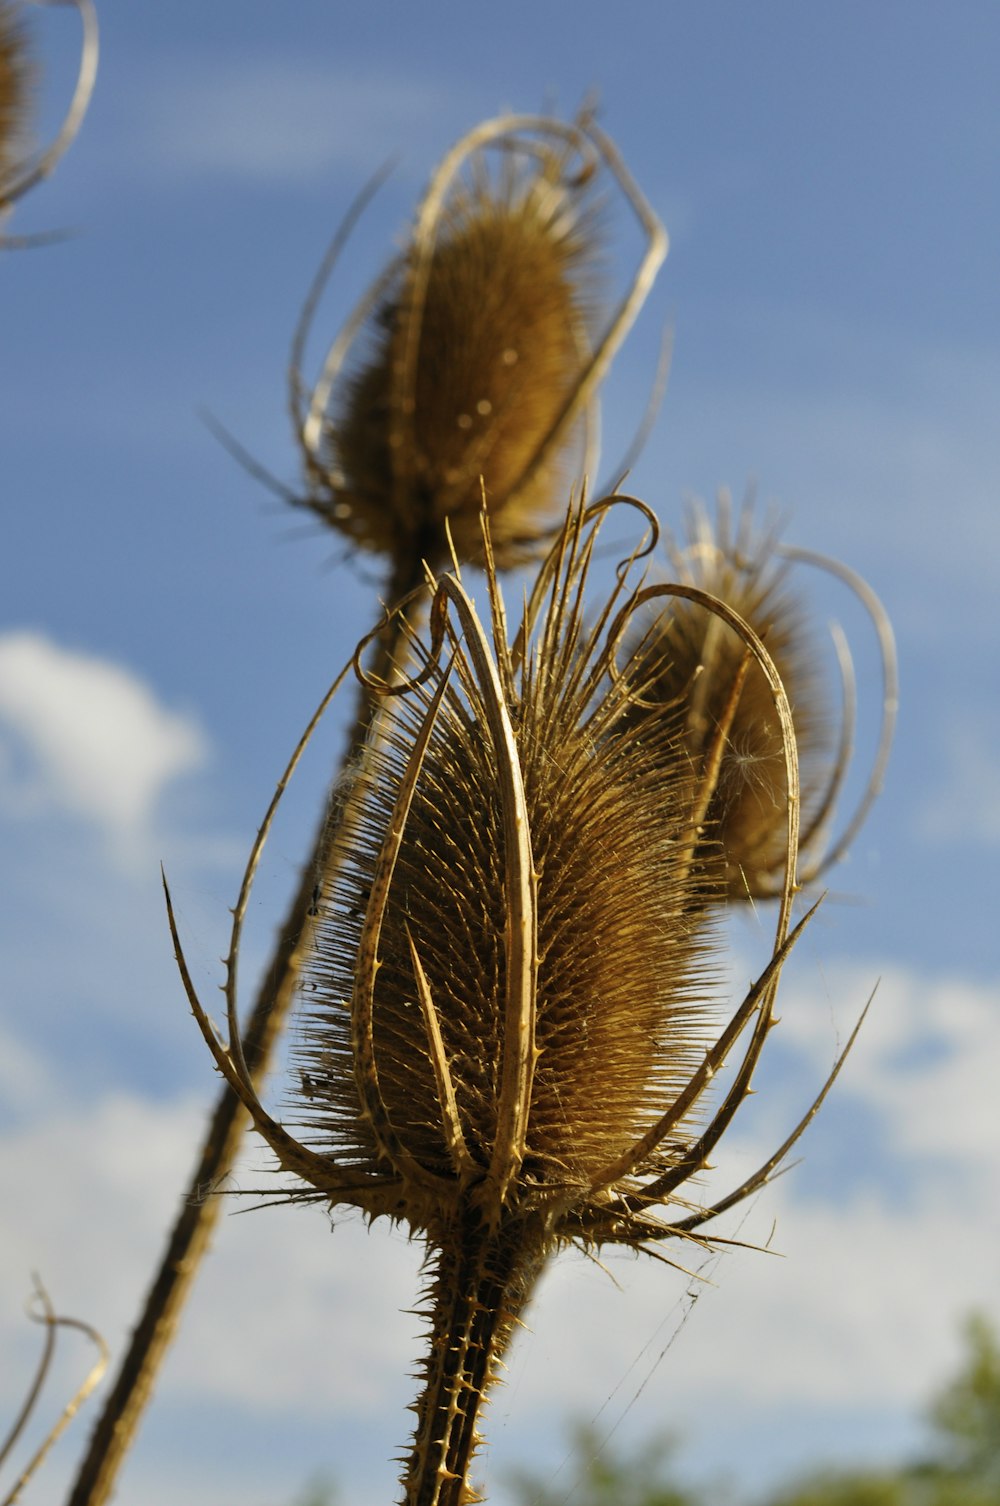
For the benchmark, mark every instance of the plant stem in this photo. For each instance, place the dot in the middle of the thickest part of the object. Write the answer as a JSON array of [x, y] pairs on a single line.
[[482, 1282], [191, 1233]]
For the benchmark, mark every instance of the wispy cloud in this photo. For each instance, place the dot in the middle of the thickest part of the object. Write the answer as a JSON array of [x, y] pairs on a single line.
[[280, 120], [86, 737]]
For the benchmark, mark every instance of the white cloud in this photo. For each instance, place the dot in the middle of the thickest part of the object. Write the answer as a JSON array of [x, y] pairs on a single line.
[[858, 1315], [86, 736], [965, 807], [925, 1062]]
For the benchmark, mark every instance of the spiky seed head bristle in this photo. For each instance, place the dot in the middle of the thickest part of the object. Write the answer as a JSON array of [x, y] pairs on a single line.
[[16, 75], [467, 367], [689, 662]]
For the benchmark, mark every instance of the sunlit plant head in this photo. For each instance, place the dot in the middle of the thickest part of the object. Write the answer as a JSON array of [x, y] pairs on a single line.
[[472, 364], [21, 166], [696, 667], [16, 76], [510, 1030]]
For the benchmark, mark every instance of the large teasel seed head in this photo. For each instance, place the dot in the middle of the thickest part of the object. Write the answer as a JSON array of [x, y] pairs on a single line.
[[472, 365], [619, 1012], [509, 1032], [698, 669]]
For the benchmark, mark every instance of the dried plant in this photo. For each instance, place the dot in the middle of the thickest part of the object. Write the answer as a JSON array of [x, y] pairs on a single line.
[[21, 169], [509, 1034], [497, 264], [16, 78], [474, 359], [46, 1315], [690, 659]]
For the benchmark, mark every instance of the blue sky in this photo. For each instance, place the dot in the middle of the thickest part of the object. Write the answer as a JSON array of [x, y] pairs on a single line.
[[828, 178]]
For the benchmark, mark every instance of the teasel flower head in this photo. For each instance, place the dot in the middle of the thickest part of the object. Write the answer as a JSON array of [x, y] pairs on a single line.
[[21, 168], [474, 361], [15, 86], [510, 1027], [697, 667]]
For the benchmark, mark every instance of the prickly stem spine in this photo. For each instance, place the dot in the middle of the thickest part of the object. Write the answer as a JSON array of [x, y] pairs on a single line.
[[483, 1280]]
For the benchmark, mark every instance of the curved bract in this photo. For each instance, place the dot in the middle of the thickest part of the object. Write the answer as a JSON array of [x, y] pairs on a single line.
[[509, 1024]]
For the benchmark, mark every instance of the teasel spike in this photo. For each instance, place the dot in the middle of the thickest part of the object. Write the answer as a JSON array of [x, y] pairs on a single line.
[[24, 176]]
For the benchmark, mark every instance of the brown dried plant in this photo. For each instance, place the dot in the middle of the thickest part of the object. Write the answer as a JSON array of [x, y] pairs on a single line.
[[690, 658], [474, 359], [509, 1034], [21, 169], [52, 1323], [500, 265]]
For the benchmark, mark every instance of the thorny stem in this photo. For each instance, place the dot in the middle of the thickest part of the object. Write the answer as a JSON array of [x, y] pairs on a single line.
[[199, 1210], [482, 1282]]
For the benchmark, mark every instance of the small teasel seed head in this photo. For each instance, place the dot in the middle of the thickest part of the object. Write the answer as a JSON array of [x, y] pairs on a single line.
[[690, 661], [473, 364], [16, 78]]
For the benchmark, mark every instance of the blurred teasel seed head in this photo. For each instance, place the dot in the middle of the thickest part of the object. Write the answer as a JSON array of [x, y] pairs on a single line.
[[473, 363], [16, 78], [509, 1023], [21, 167], [697, 668]]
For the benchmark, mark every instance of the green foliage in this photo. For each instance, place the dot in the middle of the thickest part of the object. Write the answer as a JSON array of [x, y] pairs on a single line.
[[600, 1476], [966, 1415], [960, 1468]]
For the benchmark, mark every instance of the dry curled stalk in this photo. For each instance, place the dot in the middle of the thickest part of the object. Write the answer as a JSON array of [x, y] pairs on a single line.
[[540, 198], [21, 171], [508, 1038], [47, 1316]]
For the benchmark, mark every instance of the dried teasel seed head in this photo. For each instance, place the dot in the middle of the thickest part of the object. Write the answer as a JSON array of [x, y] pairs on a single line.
[[618, 1011], [16, 78], [697, 668], [21, 168], [473, 364], [508, 1030]]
